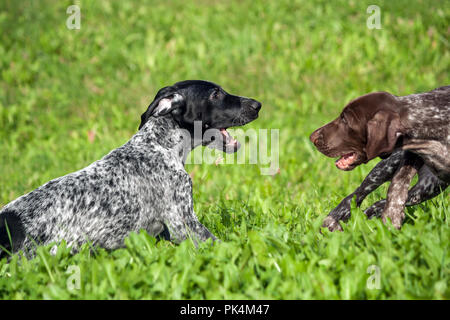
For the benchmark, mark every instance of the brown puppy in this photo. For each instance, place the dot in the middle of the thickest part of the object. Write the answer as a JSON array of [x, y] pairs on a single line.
[[378, 123]]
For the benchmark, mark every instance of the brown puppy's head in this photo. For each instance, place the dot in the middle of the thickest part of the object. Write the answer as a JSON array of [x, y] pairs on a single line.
[[369, 126]]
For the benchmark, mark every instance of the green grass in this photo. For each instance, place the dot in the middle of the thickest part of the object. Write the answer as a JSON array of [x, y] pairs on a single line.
[[304, 60]]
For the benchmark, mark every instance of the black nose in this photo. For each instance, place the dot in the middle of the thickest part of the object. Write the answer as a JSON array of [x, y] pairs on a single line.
[[256, 105]]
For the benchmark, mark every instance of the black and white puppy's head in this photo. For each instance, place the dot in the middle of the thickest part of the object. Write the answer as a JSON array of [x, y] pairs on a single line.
[[196, 100]]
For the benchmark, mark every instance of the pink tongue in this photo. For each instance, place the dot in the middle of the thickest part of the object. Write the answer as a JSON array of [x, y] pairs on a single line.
[[229, 139], [224, 132], [345, 161]]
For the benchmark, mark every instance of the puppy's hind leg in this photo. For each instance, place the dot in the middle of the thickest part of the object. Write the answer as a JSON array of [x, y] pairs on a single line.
[[428, 187], [382, 172], [12, 233]]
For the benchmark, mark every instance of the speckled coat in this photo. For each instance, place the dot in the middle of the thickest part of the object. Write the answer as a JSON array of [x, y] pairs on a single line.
[[140, 185]]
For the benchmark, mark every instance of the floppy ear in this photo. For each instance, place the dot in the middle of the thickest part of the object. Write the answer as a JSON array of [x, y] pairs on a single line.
[[166, 101], [383, 130]]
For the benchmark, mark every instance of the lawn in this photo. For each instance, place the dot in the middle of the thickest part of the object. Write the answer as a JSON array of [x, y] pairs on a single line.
[[68, 97]]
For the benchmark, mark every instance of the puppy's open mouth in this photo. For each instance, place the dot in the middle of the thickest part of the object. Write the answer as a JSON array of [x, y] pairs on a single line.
[[225, 141], [347, 161], [229, 141]]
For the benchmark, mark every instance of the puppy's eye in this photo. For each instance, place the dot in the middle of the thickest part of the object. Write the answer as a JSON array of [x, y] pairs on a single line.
[[343, 119]]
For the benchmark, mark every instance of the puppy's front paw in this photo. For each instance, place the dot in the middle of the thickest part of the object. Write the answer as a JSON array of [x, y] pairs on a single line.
[[332, 224], [342, 210], [215, 240]]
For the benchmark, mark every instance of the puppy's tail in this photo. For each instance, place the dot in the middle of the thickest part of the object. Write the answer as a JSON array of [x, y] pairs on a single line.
[[12, 233]]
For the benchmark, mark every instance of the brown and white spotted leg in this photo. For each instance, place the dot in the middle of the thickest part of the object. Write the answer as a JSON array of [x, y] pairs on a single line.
[[398, 190], [436, 154], [428, 187]]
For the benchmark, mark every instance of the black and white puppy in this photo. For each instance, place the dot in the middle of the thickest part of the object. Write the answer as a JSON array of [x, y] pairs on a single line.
[[141, 185]]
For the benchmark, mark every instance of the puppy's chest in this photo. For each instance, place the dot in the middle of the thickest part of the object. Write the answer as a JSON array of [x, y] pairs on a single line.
[[166, 176]]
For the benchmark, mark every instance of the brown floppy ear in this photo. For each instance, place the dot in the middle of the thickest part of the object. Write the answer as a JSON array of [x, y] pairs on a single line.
[[383, 130]]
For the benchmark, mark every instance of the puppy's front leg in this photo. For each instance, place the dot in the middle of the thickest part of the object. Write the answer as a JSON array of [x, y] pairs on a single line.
[[428, 187], [398, 190], [181, 221], [183, 227], [199, 231]]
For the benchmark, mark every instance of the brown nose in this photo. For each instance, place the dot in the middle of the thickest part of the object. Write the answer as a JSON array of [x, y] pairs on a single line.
[[316, 137]]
